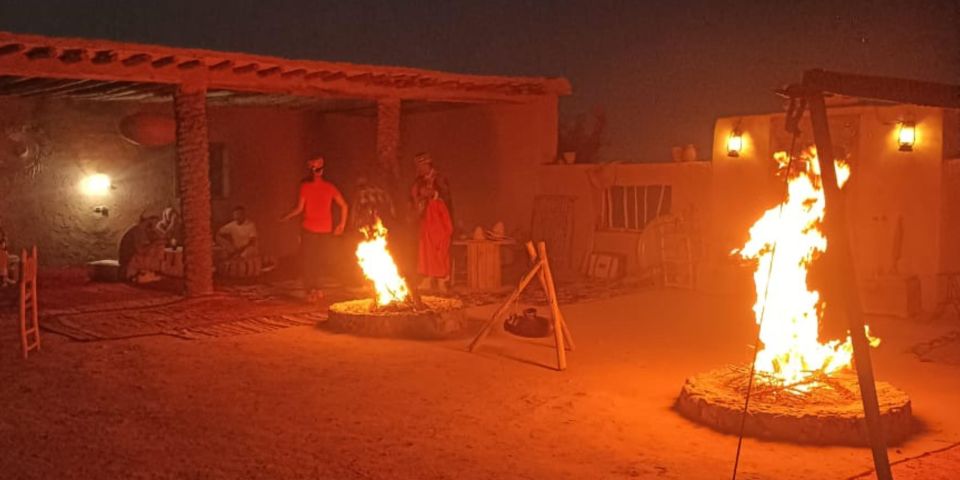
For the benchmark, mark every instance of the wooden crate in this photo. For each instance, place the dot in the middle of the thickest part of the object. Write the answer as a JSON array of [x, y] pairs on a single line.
[[483, 265]]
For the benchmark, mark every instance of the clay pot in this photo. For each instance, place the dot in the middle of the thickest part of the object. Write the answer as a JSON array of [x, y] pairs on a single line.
[[677, 154], [689, 154], [149, 129]]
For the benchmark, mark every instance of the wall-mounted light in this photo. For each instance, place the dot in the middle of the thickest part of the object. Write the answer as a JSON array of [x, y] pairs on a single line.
[[96, 185], [735, 143], [907, 136]]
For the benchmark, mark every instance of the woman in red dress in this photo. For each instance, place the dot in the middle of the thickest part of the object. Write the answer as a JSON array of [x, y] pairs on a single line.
[[431, 196]]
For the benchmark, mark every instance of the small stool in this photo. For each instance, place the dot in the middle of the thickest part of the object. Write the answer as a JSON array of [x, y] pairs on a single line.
[[104, 270]]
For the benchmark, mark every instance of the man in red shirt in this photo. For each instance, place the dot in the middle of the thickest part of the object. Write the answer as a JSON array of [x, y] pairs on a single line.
[[317, 197]]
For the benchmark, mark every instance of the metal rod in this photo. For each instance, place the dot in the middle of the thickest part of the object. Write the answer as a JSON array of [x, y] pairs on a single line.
[[845, 286]]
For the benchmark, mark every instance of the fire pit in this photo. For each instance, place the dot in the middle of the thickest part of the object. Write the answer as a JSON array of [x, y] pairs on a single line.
[[803, 389], [829, 413], [393, 311], [434, 318]]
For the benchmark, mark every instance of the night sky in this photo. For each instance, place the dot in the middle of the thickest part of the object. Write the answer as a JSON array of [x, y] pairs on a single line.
[[662, 71]]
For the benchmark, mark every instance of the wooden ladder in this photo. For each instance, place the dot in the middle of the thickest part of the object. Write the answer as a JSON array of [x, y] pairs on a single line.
[[29, 323], [676, 257]]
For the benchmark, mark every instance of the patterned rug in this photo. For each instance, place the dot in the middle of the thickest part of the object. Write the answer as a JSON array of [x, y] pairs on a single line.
[[115, 311], [213, 316], [944, 349]]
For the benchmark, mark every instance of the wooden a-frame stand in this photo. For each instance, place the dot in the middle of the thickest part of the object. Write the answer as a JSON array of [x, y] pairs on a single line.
[[541, 270]]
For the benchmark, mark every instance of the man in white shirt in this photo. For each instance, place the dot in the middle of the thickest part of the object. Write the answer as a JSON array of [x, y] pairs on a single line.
[[239, 237]]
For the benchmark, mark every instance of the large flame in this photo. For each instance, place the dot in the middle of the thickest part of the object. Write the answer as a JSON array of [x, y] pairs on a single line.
[[378, 266], [784, 241]]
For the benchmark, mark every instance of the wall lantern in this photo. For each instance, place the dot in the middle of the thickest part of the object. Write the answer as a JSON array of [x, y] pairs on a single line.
[[907, 136], [735, 143], [96, 185]]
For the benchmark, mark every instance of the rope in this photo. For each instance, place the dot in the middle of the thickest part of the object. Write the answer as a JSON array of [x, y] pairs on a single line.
[[763, 312]]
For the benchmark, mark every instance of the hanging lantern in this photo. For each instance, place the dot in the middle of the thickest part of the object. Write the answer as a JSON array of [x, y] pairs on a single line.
[[735, 143], [907, 136]]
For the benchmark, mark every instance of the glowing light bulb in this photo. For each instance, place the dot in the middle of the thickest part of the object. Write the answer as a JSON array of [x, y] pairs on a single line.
[[96, 185], [907, 136], [734, 143]]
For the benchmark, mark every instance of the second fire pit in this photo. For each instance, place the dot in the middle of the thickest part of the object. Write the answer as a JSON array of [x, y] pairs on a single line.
[[435, 318], [829, 413]]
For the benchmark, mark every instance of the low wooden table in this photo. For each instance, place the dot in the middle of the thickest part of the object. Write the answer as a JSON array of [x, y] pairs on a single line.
[[483, 263]]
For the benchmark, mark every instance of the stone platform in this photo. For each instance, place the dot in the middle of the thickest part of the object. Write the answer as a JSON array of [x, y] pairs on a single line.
[[437, 318], [830, 412]]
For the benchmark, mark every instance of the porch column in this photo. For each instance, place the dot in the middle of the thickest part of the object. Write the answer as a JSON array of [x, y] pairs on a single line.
[[193, 167], [388, 140]]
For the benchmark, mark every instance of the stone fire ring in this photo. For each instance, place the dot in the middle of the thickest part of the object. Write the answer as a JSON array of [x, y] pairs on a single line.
[[830, 414], [437, 318]]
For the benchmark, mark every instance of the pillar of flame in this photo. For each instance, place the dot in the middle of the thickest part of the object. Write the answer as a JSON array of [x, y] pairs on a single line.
[[783, 242], [378, 266]]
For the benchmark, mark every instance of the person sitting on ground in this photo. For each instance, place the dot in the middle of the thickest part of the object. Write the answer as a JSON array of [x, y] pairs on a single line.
[[238, 239], [144, 265]]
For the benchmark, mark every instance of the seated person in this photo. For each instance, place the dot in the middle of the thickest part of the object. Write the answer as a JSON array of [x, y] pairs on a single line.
[[239, 254], [238, 239], [144, 266], [169, 227]]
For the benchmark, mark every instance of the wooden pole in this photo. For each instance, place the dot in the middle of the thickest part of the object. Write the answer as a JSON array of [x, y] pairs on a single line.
[[845, 283], [532, 251], [554, 307], [514, 296]]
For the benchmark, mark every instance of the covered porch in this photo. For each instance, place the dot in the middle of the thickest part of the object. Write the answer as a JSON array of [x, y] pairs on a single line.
[[268, 115]]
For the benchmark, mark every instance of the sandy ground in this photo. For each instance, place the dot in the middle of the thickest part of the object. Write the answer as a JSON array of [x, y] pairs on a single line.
[[304, 403]]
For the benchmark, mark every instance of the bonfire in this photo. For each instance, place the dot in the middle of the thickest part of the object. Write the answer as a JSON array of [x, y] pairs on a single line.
[[394, 309], [378, 266], [784, 242], [803, 388]]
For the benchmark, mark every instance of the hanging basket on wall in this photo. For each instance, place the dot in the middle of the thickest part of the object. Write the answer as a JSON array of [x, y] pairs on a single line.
[[149, 129], [23, 148]]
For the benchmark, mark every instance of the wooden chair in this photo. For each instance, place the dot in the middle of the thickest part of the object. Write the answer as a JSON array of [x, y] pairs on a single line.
[[29, 323]]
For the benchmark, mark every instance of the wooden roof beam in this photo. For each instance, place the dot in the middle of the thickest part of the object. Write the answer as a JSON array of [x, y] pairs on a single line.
[[73, 55], [190, 65], [15, 87], [163, 61], [267, 72], [10, 48], [102, 57], [221, 65], [64, 86], [36, 53], [136, 59], [245, 68]]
